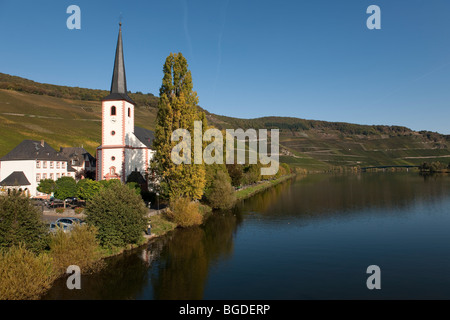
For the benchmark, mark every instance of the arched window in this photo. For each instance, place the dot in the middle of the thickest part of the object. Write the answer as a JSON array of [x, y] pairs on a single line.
[[113, 110], [129, 112], [112, 171]]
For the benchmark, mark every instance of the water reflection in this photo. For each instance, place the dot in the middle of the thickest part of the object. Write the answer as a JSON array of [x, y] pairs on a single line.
[[171, 267], [320, 196], [122, 278], [184, 263], [200, 262]]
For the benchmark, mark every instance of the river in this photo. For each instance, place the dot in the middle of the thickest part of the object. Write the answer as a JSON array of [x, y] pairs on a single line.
[[311, 237]]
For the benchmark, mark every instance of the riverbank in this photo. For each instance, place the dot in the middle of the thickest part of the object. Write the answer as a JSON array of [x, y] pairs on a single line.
[[162, 225], [250, 191]]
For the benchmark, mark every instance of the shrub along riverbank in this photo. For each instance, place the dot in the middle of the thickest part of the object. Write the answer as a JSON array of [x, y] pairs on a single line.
[[162, 223], [116, 219]]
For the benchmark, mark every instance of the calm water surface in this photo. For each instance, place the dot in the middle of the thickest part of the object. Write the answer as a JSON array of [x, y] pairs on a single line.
[[309, 238]]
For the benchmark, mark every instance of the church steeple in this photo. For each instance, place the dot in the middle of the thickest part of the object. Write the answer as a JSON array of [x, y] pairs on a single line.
[[119, 81]]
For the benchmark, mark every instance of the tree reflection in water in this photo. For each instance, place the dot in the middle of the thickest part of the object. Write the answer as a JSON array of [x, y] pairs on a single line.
[[174, 266], [184, 262]]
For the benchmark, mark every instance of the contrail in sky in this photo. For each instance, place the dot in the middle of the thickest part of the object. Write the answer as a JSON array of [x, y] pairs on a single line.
[[186, 30], [223, 13], [403, 86]]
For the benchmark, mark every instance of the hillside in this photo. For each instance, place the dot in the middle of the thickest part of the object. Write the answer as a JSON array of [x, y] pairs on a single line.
[[66, 116], [321, 145]]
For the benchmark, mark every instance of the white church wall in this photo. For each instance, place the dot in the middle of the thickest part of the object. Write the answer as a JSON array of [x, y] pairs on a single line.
[[111, 158], [135, 159]]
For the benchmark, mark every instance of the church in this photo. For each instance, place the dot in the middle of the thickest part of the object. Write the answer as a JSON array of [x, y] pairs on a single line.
[[125, 148]]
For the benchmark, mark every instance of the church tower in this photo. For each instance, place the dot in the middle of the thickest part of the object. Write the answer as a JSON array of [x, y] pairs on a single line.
[[125, 149], [117, 123]]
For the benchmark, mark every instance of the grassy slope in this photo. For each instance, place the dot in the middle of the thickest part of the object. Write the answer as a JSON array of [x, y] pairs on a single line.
[[60, 122], [310, 144]]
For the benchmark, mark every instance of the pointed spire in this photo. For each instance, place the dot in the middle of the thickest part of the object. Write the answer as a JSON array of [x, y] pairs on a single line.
[[119, 81]]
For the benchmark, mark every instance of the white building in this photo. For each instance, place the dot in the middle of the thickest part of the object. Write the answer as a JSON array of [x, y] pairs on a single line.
[[81, 160], [125, 148], [28, 163]]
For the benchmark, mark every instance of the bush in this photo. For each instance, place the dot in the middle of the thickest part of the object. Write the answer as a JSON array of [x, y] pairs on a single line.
[[79, 247], [78, 210], [184, 212], [59, 210], [20, 222], [221, 194], [119, 215], [23, 275]]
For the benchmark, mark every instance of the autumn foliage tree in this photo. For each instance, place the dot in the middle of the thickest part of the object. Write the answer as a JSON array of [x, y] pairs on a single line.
[[177, 110]]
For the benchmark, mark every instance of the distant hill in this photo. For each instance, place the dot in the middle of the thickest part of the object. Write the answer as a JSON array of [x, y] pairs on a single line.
[[62, 116], [68, 116]]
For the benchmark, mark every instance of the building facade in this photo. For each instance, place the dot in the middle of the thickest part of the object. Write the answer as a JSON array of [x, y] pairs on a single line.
[[30, 162], [80, 160]]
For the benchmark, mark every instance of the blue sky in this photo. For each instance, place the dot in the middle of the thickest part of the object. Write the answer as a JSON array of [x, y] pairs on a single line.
[[312, 59]]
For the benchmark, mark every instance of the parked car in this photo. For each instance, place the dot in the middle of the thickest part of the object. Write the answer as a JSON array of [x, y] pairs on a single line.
[[56, 203], [53, 227], [70, 222], [38, 201]]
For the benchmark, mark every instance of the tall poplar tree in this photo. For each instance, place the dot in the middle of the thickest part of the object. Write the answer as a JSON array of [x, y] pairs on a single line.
[[177, 109]]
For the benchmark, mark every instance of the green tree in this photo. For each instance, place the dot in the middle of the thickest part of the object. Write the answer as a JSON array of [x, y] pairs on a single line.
[[65, 187], [20, 222], [236, 172], [211, 172], [252, 173], [46, 186], [109, 183], [135, 187], [424, 166], [436, 166], [87, 188], [221, 195], [177, 109], [119, 215]]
